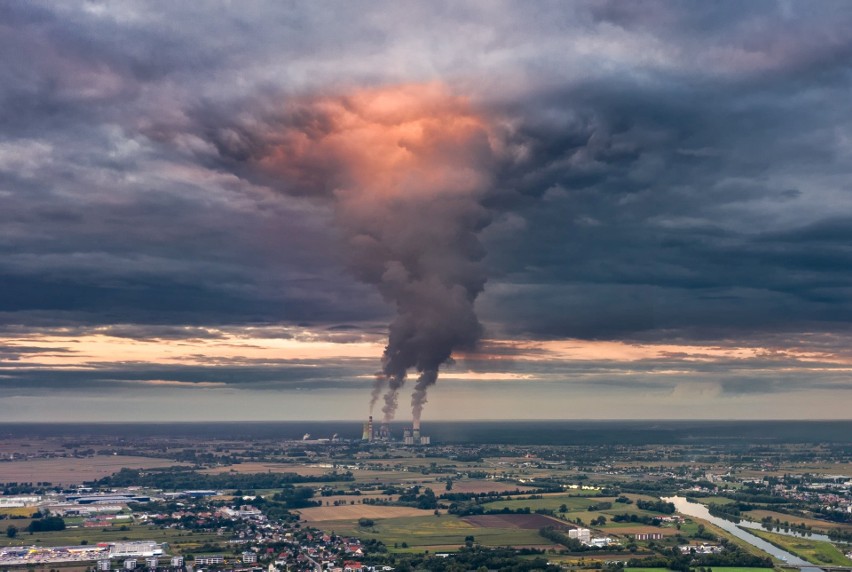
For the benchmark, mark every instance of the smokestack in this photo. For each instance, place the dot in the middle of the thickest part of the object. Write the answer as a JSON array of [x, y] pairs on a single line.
[[407, 170], [370, 428]]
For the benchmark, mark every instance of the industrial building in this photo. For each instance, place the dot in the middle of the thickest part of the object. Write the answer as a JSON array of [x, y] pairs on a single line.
[[409, 436], [413, 437], [107, 498], [584, 535], [143, 549], [367, 434]]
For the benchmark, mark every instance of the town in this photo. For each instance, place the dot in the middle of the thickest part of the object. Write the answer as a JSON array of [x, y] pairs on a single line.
[[349, 504]]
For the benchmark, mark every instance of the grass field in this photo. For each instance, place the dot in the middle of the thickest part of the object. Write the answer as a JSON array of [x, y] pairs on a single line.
[[67, 471], [574, 503], [578, 511], [433, 533], [815, 551], [526, 521]]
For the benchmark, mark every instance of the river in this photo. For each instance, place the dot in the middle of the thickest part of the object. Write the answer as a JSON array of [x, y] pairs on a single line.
[[683, 506]]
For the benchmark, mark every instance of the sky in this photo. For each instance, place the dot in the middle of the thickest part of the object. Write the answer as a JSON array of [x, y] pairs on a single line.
[[505, 210]]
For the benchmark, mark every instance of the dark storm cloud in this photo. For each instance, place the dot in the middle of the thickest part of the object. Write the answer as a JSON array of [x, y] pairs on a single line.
[[13, 353], [270, 375], [677, 170], [694, 211]]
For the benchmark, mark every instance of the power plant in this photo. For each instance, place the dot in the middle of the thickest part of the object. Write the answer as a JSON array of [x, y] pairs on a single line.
[[413, 437], [409, 436], [367, 434]]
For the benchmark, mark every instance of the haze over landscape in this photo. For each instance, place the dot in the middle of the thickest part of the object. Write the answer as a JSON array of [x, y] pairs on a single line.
[[586, 210]]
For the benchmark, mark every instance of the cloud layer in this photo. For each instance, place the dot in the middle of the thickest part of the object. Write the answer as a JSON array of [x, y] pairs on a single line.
[[661, 174]]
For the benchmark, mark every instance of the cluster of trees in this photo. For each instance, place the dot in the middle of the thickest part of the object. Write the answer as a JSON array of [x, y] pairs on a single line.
[[755, 496], [413, 497], [546, 486], [703, 534], [484, 497], [839, 534], [604, 505], [296, 497], [730, 511], [378, 501], [641, 518], [46, 524], [471, 557], [15, 488], [329, 492], [656, 506], [662, 487], [466, 509], [372, 546], [834, 515], [180, 479], [730, 556]]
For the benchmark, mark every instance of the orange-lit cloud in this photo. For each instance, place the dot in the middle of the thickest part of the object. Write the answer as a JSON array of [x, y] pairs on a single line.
[[390, 143], [406, 168]]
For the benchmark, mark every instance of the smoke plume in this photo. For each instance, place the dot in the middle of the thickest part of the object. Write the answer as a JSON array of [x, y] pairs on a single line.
[[406, 169]]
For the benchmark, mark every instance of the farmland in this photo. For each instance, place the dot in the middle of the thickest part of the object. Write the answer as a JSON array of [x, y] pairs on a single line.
[[481, 497], [437, 533], [354, 512], [522, 521], [72, 470]]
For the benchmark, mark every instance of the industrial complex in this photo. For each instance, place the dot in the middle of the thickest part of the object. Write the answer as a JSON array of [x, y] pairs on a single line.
[[410, 436]]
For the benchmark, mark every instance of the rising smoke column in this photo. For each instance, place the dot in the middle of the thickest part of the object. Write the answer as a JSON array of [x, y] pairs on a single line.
[[406, 169]]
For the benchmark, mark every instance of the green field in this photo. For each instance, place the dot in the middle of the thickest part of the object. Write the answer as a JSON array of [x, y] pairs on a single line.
[[573, 502], [432, 533], [815, 551]]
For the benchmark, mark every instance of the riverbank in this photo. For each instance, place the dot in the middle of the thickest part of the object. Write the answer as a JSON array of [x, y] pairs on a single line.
[[697, 510], [817, 552]]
